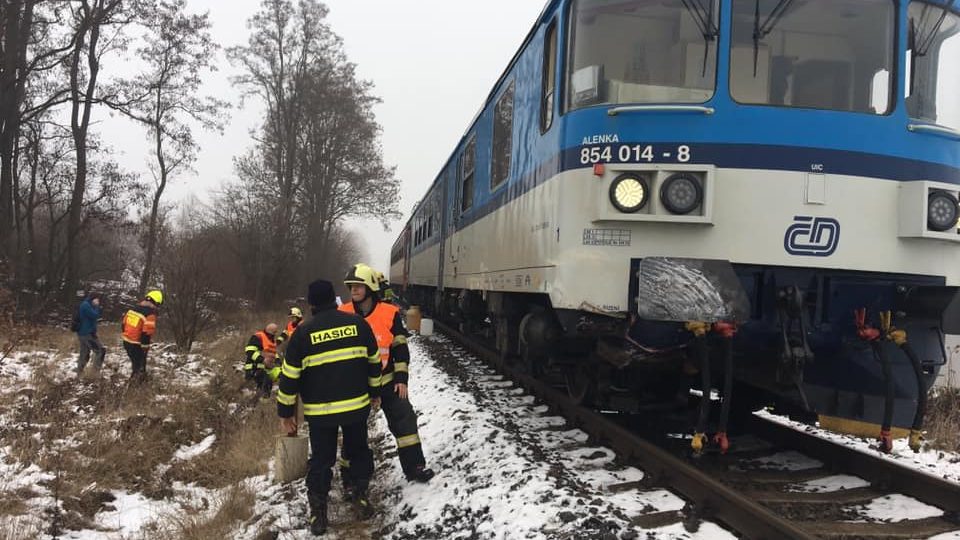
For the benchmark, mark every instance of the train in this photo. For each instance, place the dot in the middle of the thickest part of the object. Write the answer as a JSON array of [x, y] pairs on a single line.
[[756, 196]]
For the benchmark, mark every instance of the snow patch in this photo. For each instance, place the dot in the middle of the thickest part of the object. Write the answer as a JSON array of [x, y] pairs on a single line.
[[185, 453], [829, 484]]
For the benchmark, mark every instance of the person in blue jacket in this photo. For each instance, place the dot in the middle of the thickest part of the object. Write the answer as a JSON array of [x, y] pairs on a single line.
[[88, 315]]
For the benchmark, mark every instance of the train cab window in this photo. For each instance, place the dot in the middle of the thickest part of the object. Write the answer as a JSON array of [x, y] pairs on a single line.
[[549, 78], [817, 54], [468, 162], [638, 51], [502, 150], [933, 60]]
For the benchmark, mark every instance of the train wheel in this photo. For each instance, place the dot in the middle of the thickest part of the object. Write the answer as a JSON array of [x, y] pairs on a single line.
[[581, 383]]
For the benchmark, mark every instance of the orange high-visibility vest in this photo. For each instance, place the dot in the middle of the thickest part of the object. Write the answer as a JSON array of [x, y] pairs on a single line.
[[381, 322], [291, 327], [136, 325], [267, 344]]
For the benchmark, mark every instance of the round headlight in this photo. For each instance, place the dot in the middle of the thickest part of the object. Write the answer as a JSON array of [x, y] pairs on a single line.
[[681, 193], [629, 193], [942, 211]]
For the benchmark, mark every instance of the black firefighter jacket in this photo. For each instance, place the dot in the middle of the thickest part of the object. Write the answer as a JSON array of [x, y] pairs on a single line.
[[333, 363]]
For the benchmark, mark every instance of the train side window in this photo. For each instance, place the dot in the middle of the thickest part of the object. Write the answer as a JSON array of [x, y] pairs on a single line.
[[502, 138], [467, 167], [549, 78]]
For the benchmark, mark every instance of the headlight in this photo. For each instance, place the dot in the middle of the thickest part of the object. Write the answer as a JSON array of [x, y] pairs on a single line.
[[942, 211], [681, 193], [629, 193]]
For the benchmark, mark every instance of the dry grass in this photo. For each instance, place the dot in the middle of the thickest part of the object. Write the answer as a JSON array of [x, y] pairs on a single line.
[[943, 420], [235, 506], [21, 528], [101, 435]]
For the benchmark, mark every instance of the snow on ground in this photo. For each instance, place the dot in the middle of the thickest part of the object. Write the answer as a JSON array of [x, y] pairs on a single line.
[[936, 462], [506, 469], [829, 484], [185, 453], [895, 508]]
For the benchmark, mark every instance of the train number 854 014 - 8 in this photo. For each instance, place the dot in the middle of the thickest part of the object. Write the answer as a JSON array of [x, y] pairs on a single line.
[[637, 153]]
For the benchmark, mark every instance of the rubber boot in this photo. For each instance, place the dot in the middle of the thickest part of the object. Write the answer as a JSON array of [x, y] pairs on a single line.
[[421, 474], [362, 504], [318, 514]]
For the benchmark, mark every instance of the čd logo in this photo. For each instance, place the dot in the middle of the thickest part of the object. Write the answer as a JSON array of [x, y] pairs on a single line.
[[812, 236]]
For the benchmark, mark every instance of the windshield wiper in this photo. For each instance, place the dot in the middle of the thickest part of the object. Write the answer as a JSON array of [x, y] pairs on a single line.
[[761, 31], [927, 41], [703, 17]]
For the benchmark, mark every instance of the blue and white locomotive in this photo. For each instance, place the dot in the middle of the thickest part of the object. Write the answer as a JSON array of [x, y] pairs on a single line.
[[653, 184]]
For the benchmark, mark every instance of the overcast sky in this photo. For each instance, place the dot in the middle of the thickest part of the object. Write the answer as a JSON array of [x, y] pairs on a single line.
[[433, 63]]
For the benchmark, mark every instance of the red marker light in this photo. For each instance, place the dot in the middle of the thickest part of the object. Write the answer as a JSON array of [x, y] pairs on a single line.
[[599, 169]]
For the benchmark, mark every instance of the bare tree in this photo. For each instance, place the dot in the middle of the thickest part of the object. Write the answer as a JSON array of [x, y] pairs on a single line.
[[98, 28], [319, 144], [189, 281], [285, 41], [165, 98], [29, 45]]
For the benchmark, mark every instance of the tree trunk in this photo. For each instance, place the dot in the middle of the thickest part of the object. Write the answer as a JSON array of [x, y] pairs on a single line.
[[155, 208], [16, 34], [79, 126], [31, 270]]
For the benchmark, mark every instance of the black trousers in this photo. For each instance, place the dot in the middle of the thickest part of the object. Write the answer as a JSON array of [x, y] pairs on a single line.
[[323, 446], [262, 381], [402, 421], [138, 358]]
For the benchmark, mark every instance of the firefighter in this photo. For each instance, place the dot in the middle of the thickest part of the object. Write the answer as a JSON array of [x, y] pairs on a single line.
[[137, 330], [295, 318], [386, 291], [261, 359], [333, 364], [391, 336]]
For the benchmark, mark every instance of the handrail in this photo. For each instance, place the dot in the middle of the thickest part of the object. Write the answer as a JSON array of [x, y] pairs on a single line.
[[934, 130], [661, 108]]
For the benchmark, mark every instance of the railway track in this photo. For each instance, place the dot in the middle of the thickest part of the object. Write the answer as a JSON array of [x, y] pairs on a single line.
[[755, 502]]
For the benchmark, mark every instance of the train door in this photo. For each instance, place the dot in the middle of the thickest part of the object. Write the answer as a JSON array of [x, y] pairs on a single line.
[[464, 179], [444, 212], [407, 253]]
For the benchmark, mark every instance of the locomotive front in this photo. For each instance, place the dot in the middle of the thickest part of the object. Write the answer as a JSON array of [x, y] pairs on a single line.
[[772, 178]]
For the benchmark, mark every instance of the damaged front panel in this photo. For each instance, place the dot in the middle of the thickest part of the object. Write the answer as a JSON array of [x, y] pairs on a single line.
[[680, 289]]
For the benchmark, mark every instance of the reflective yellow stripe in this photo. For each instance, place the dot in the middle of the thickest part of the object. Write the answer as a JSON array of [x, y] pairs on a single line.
[[291, 372], [400, 340], [386, 378], [336, 407], [408, 440], [375, 359], [248, 366], [334, 356], [251, 348], [344, 463], [286, 399], [274, 373], [374, 382], [256, 355], [400, 367]]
